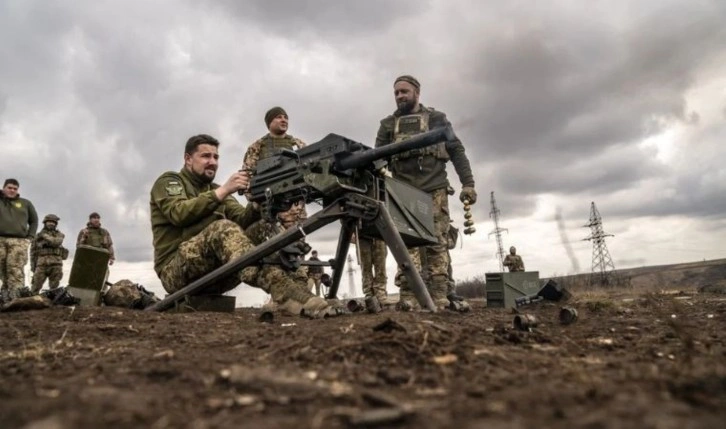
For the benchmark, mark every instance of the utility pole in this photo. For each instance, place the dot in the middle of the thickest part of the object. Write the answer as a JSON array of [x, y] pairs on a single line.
[[602, 264], [497, 231], [351, 278]]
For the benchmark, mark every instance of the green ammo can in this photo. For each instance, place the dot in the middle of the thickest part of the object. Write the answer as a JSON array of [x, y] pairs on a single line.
[[503, 288]]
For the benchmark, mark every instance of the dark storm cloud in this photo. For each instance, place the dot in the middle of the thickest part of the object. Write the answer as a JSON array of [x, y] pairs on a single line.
[[542, 94]]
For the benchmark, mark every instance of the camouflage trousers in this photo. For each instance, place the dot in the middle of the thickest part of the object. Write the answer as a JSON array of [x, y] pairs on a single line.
[[437, 255], [261, 231], [13, 257], [220, 242], [314, 282], [52, 271], [373, 255]]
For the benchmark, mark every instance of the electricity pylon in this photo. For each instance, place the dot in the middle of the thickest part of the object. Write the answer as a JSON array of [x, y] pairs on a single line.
[[497, 231], [602, 264]]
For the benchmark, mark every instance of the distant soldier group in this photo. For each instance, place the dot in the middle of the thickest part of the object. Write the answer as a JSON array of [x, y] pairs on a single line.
[[19, 234]]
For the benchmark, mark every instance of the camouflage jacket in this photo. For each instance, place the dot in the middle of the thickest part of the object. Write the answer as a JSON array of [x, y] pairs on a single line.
[[96, 237], [182, 206], [47, 247], [265, 147], [426, 168]]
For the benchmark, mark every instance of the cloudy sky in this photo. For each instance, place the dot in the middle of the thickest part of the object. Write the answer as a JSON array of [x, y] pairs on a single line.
[[558, 103]]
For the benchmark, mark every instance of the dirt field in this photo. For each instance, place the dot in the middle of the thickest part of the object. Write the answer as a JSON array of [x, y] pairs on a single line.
[[645, 361]]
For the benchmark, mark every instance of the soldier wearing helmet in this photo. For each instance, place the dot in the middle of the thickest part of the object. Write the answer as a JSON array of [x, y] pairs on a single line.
[[513, 261], [47, 254]]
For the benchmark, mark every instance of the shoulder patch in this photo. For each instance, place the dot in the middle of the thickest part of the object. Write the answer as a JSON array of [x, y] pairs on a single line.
[[173, 188]]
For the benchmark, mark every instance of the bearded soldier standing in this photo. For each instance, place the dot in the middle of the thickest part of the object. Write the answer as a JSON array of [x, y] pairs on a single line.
[[425, 169], [95, 236], [47, 254]]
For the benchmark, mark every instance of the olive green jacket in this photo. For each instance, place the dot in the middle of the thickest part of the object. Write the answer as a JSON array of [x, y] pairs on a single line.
[[182, 205], [427, 172], [18, 217]]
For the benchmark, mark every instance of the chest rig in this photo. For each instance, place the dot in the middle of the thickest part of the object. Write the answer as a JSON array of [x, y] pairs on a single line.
[[408, 126], [271, 145]]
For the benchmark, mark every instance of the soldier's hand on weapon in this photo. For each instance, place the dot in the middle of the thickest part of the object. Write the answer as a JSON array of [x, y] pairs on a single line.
[[238, 181], [468, 193]]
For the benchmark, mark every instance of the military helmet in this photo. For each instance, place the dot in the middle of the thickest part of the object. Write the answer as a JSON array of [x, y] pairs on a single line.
[[513, 250], [51, 218]]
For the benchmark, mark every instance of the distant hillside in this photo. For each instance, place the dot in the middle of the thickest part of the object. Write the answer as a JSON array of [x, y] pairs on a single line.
[[684, 275], [690, 275]]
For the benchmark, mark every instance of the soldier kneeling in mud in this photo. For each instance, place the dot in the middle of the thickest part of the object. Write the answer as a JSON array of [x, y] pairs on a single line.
[[198, 226]]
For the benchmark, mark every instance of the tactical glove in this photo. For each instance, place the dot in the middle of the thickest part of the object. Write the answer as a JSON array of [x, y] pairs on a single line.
[[468, 193]]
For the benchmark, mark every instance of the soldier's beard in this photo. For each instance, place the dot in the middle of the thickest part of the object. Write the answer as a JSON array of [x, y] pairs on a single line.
[[204, 177], [406, 107]]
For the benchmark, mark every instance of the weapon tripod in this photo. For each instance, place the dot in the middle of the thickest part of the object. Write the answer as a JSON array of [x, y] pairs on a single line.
[[350, 208]]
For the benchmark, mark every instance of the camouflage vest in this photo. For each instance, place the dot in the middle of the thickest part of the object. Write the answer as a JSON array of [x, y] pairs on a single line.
[[97, 237], [407, 126], [272, 145]]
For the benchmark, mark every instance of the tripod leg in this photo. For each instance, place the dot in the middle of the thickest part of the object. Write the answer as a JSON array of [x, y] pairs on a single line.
[[346, 229], [387, 229]]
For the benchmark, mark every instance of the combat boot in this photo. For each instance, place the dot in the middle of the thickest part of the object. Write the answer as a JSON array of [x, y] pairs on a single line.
[[294, 299], [437, 290], [407, 301]]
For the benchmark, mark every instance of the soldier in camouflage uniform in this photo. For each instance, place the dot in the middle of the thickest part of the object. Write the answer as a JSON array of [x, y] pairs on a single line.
[[47, 254], [373, 253], [95, 236], [18, 225], [426, 170], [277, 138], [315, 273], [513, 261], [198, 226]]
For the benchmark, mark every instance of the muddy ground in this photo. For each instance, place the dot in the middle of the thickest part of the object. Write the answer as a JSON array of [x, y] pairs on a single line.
[[645, 361]]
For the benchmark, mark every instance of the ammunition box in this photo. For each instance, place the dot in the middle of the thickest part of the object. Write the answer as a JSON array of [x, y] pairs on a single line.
[[502, 289]]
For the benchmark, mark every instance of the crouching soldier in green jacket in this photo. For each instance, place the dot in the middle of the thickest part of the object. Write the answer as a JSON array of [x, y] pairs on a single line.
[[198, 226], [47, 254]]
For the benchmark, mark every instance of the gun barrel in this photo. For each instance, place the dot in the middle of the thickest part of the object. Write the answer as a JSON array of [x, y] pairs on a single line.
[[360, 159]]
